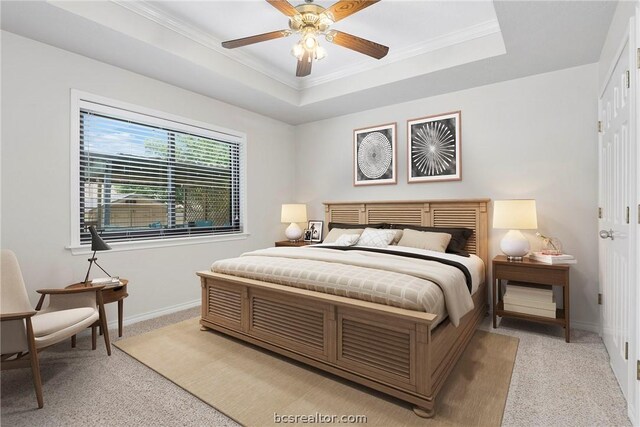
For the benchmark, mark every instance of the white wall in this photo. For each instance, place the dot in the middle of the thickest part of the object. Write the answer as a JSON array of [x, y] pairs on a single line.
[[533, 137], [36, 84]]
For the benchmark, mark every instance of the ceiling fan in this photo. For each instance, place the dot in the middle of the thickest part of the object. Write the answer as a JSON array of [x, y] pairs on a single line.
[[311, 21]]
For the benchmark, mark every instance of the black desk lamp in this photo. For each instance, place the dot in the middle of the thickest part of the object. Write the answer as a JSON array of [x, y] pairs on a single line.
[[97, 244]]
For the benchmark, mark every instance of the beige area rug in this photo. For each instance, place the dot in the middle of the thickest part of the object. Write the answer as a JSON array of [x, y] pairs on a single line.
[[252, 385]]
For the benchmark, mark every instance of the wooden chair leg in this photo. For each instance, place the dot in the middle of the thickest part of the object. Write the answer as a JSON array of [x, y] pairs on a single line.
[[93, 337], [73, 341], [103, 322], [35, 365]]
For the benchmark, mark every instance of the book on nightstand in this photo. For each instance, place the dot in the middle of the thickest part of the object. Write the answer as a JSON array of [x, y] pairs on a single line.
[[530, 310], [553, 259], [530, 299], [530, 290]]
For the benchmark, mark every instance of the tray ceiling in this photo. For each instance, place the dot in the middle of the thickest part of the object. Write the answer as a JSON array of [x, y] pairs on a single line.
[[409, 28], [435, 47]]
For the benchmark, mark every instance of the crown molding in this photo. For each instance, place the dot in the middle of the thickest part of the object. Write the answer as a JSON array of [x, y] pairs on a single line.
[[470, 33], [146, 10]]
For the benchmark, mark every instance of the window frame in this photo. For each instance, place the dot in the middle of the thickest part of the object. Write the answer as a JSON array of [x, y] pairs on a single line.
[[79, 100]]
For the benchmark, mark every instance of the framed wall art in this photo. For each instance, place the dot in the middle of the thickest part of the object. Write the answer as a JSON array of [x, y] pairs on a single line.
[[433, 151], [374, 155]]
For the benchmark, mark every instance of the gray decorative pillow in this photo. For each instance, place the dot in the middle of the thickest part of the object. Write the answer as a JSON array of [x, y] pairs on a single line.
[[376, 237]]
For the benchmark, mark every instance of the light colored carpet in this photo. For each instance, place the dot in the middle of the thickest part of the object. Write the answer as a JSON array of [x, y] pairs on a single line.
[[251, 385], [84, 387], [555, 383]]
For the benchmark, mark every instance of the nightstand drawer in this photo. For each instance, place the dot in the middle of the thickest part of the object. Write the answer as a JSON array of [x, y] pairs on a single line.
[[522, 273]]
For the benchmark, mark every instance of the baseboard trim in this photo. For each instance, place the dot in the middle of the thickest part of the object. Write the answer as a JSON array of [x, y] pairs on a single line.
[[576, 324], [153, 314], [586, 326], [631, 414]]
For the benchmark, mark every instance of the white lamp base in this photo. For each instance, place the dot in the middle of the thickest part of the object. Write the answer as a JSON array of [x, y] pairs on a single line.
[[515, 245], [293, 232]]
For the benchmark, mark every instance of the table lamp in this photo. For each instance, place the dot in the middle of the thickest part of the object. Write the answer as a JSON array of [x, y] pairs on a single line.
[[515, 215], [97, 244], [293, 213]]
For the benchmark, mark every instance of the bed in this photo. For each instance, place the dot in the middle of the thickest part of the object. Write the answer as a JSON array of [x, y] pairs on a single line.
[[395, 350]]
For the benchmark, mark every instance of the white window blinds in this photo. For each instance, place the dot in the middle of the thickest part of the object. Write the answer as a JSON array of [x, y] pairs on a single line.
[[144, 177]]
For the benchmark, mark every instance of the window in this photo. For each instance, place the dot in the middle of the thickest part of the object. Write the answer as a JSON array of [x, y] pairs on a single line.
[[147, 177]]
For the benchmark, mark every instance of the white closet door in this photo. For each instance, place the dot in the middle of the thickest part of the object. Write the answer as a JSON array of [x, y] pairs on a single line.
[[614, 194]]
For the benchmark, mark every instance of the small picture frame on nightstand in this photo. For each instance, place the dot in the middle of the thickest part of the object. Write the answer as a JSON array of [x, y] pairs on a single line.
[[316, 226], [307, 235]]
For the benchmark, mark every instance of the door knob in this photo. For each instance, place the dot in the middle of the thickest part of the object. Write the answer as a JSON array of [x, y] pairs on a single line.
[[604, 234]]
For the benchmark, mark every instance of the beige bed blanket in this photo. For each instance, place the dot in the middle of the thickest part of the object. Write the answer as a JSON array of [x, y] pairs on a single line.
[[391, 280]]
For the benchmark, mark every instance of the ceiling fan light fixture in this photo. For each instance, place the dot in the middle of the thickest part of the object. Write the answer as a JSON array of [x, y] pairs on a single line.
[[320, 53], [310, 21], [324, 22], [309, 41], [297, 50]]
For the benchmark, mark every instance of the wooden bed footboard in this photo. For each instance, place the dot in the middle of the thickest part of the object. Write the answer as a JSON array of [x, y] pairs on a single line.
[[388, 349]]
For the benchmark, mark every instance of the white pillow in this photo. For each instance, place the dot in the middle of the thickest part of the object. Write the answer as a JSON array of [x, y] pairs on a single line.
[[378, 238], [425, 240], [333, 235], [347, 240]]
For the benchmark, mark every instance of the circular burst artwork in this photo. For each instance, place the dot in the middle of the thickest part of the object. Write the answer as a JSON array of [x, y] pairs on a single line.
[[375, 154], [434, 146]]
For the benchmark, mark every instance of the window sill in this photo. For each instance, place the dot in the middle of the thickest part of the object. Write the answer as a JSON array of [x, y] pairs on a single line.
[[159, 243]]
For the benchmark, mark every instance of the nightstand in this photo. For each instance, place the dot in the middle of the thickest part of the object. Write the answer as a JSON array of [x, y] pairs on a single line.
[[539, 273], [297, 243]]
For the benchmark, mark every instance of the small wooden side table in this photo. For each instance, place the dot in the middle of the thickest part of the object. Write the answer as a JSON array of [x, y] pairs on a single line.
[[296, 243], [111, 294], [529, 271]]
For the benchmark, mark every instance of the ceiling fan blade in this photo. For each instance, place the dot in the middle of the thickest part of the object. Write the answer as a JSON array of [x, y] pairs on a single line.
[[358, 44], [344, 8], [304, 65], [232, 44], [284, 6]]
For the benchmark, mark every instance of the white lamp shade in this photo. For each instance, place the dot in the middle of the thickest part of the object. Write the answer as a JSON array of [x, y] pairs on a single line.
[[515, 214], [293, 213]]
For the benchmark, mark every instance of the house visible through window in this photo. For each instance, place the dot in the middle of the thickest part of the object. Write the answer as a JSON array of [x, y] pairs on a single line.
[[143, 177]]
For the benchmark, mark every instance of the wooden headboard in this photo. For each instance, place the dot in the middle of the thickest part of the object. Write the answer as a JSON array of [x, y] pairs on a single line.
[[469, 213]]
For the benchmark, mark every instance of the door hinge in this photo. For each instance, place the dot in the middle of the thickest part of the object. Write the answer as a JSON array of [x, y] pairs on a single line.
[[599, 126], [626, 351], [638, 58], [600, 212], [628, 78], [599, 299], [638, 370], [627, 214]]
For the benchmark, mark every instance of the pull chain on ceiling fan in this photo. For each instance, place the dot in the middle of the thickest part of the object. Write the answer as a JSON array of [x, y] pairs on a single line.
[[311, 21]]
